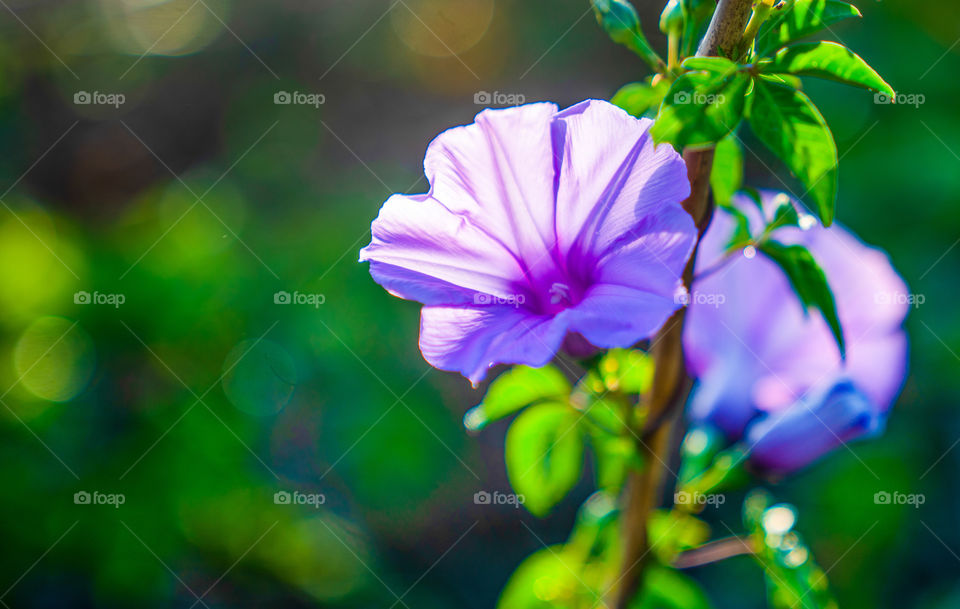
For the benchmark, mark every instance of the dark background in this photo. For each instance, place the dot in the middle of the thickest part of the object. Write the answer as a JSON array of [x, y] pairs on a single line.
[[199, 398]]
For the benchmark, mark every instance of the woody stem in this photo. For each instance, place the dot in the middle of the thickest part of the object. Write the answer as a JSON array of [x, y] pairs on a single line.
[[670, 383]]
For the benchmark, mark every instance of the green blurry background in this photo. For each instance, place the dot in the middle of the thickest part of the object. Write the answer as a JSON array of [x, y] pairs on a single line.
[[198, 398]]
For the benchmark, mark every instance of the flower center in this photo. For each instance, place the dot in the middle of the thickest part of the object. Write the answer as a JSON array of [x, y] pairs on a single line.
[[559, 294]]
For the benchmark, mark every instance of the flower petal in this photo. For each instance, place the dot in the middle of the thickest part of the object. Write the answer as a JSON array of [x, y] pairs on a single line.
[[470, 340], [618, 316], [498, 173], [610, 178], [654, 259], [762, 324], [799, 435], [422, 251], [723, 400]]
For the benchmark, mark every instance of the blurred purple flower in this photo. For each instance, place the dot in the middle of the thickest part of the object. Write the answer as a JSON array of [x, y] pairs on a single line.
[[539, 223], [773, 377]]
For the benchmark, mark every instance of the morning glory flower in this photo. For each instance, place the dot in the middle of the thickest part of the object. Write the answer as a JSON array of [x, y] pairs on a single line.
[[539, 224], [772, 377]]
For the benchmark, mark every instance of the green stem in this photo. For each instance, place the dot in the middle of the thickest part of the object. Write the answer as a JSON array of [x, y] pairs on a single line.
[[760, 13], [673, 52]]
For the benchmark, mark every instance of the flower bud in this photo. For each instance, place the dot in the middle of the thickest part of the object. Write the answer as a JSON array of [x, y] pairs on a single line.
[[671, 19], [620, 21]]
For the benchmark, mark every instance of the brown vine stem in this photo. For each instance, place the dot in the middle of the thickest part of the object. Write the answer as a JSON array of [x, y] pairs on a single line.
[[670, 382], [714, 551]]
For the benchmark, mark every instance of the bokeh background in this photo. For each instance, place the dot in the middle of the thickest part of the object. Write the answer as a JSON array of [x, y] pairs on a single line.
[[198, 397]]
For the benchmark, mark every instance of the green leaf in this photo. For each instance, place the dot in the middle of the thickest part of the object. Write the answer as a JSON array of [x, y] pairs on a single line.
[[788, 80], [788, 123], [828, 60], [620, 21], [547, 579], [755, 197], [673, 531], [614, 456], [803, 19], [727, 471], [808, 281], [665, 588], [544, 455], [741, 236], [717, 65], [596, 532], [700, 445], [614, 449], [576, 574], [514, 389], [785, 214], [626, 370], [701, 108], [696, 14], [637, 97], [726, 177]]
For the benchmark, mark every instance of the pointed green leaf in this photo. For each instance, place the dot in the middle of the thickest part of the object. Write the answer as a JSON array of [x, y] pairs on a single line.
[[701, 108], [788, 123], [544, 455], [785, 214], [741, 236], [673, 531], [717, 65], [552, 571], [696, 14], [808, 281], [518, 387], [665, 588], [788, 80], [700, 445], [805, 17], [726, 176], [637, 97], [828, 60]]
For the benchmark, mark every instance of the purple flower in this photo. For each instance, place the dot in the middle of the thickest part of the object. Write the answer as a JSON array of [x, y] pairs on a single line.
[[539, 223], [773, 377]]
